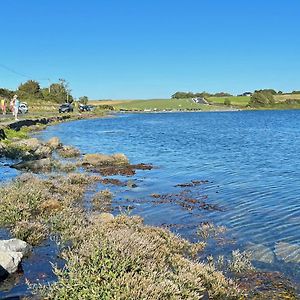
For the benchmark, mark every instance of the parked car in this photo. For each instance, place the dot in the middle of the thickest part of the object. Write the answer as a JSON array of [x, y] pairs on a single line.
[[83, 107], [23, 108], [66, 107]]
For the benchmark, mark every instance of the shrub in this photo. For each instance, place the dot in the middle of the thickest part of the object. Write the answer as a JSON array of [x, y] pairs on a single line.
[[102, 201], [261, 99], [31, 232], [124, 259], [227, 102]]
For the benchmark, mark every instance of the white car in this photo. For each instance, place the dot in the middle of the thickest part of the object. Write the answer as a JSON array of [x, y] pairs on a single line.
[[23, 108]]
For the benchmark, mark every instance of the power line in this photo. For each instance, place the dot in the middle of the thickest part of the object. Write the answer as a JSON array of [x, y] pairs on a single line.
[[20, 74]]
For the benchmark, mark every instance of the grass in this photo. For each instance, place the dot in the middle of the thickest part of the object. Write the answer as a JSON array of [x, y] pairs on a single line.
[[163, 104], [239, 101]]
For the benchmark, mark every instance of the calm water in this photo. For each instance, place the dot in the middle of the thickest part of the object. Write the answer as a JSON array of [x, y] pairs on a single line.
[[251, 160]]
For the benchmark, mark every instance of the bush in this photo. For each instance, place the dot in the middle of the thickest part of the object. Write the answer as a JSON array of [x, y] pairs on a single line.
[[227, 102], [261, 98]]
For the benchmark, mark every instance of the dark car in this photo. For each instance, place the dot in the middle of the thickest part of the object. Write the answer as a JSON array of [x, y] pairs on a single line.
[[83, 107], [66, 107]]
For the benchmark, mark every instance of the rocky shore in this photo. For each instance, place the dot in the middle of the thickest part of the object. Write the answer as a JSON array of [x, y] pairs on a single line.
[[107, 256]]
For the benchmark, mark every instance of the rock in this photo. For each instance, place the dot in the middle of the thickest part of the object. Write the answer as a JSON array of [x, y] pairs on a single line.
[[97, 159], [2, 134], [30, 144], [289, 253], [15, 245], [68, 151], [261, 253], [42, 152], [54, 143], [11, 254], [9, 262], [44, 164], [101, 218]]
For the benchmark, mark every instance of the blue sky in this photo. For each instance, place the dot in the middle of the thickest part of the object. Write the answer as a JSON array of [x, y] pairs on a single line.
[[122, 49]]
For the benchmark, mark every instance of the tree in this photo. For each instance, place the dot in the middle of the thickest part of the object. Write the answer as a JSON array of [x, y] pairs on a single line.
[[84, 100], [271, 91], [29, 89], [6, 93], [261, 98], [222, 94], [59, 92]]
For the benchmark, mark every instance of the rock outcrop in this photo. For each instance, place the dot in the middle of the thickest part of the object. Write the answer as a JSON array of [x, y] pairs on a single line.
[[39, 165]]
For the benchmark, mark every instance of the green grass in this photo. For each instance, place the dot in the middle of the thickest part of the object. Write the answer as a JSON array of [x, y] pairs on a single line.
[[240, 101], [163, 104]]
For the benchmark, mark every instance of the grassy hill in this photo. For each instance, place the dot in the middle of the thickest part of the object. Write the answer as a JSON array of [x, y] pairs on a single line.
[[163, 105]]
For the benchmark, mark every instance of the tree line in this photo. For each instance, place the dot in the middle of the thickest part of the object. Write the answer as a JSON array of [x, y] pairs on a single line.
[[182, 95], [58, 92]]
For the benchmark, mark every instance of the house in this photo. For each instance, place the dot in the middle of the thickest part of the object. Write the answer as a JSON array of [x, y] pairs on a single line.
[[248, 94], [199, 100]]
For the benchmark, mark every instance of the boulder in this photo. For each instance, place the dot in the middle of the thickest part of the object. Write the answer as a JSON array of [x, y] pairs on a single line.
[[68, 151], [11, 253], [44, 164], [42, 151], [289, 253], [261, 253], [15, 245], [9, 262], [30, 144], [54, 143]]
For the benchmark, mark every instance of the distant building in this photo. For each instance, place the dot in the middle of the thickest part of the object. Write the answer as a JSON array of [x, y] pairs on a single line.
[[248, 94], [200, 100]]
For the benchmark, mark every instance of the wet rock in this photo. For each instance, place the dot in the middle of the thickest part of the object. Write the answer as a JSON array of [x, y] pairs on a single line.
[[192, 183], [113, 181], [289, 253], [142, 166], [261, 253], [39, 165], [266, 285], [54, 143], [131, 184]]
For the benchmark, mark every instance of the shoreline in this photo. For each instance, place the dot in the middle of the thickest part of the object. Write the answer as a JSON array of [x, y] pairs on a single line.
[[96, 117]]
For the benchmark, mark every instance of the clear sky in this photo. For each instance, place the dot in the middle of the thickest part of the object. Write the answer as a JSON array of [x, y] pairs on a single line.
[[120, 49]]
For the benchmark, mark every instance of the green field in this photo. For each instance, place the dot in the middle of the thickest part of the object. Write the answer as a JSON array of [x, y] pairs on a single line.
[[216, 103], [163, 105], [240, 101]]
